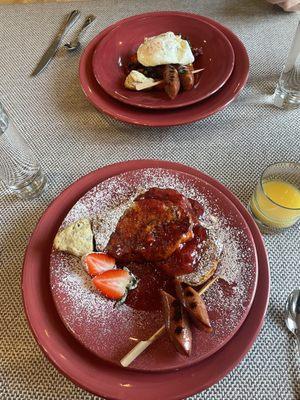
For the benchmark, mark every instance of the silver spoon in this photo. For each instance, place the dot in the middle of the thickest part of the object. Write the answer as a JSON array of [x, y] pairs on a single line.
[[75, 44], [292, 315]]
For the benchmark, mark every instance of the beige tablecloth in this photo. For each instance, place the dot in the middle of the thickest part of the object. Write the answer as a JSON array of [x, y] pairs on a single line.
[[71, 138], [34, 1]]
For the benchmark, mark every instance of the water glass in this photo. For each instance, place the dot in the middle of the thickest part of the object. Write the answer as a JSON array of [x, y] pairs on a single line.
[[275, 203], [19, 169], [287, 92]]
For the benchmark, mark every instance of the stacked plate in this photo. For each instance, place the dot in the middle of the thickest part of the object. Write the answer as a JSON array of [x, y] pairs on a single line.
[[224, 62], [85, 337]]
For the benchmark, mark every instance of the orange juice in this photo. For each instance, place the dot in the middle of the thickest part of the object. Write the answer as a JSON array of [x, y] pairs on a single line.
[[277, 205], [283, 193]]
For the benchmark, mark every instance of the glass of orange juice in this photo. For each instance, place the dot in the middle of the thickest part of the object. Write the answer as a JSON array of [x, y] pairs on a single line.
[[275, 203]]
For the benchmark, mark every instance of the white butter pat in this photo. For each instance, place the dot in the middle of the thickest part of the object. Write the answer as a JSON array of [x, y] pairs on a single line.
[[166, 48], [136, 77]]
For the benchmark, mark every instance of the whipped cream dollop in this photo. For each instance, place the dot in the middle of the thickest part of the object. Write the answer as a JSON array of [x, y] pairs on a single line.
[[166, 48]]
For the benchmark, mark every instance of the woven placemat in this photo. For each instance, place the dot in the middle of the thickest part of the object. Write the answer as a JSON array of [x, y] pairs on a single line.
[[34, 1], [71, 138]]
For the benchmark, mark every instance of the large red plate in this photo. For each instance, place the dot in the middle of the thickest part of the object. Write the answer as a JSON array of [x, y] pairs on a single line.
[[126, 113], [217, 59], [111, 333], [87, 370]]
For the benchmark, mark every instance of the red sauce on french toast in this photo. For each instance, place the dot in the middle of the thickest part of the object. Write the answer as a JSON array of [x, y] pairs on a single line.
[[157, 238]]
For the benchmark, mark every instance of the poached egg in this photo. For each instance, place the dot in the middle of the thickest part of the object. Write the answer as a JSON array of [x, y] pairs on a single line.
[[166, 48]]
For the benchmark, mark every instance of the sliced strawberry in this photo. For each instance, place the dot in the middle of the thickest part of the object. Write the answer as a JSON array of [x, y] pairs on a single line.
[[114, 284], [97, 263]]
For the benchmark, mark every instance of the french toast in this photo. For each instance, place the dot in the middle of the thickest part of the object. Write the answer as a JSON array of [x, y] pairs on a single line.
[[153, 228], [164, 227]]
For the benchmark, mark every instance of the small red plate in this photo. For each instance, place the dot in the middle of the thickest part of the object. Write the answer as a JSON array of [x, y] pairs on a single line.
[[80, 365], [111, 332], [146, 117], [112, 54]]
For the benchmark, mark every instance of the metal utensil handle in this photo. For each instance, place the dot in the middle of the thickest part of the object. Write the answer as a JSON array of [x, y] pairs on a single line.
[[87, 22], [71, 19]]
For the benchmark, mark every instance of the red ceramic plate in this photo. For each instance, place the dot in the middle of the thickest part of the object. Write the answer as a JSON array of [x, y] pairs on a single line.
[[87, 370], [126, 113], [217, 59], [111, 332]]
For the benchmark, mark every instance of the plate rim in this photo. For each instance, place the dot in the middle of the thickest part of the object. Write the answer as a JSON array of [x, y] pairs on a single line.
[[136, 120], [88, 179], [171, 105]]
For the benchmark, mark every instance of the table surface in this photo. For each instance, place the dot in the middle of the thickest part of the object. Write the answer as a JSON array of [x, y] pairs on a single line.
[[71, 138], [33, 1]]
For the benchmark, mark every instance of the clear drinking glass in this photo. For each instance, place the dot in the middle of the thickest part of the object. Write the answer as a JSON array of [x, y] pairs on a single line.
[[275, 203], [287, 92], [19, 169]]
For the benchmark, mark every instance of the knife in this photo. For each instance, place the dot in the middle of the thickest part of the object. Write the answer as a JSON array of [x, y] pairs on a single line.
[[52, 49]]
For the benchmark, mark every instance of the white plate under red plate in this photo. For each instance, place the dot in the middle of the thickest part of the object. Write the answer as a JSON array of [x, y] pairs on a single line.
[[111, 332]]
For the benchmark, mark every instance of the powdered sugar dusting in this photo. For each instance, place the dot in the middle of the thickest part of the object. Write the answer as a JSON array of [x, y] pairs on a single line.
[[227, 300], [85, 303]]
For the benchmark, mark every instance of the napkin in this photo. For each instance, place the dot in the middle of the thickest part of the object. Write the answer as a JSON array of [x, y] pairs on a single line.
[[288, 5]]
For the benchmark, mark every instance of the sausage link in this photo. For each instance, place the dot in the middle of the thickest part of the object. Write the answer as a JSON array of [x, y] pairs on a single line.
[[194, 305], [171, 81], [186, 76], [177, 324]]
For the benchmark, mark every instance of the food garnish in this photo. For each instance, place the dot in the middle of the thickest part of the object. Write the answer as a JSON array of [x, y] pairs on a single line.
[[97, 263], [115, 284], [75, 239]]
